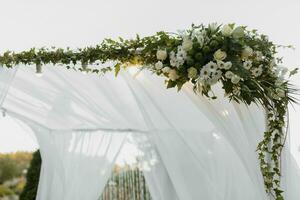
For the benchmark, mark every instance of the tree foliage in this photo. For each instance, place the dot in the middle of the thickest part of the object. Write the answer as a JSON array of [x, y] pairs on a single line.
[[33, 175]]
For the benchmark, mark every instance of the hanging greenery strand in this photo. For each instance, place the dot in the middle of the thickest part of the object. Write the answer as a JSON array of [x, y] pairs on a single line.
[[242, 60]]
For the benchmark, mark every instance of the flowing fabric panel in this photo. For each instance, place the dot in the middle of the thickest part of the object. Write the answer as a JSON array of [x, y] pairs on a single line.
[[205, 148], [6, 77], [290, 174], [242, 127], [196, 147], [156, 175], [66, 100], [75, 164]]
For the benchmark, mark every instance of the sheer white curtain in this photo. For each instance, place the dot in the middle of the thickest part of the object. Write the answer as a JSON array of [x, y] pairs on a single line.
[[75, 164], [80, 122], [6, 77], [206, 146], [194, 148], [156, 175]]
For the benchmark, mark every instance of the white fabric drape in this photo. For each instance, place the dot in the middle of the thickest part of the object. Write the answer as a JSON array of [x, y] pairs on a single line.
[[6, 76], [156, 175], [75, 164], [194, 148], [208, 147], [290, 174]]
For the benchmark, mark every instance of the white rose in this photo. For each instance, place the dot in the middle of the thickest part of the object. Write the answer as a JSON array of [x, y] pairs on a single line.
[[187, 44], [238, 32], [247, 64], [235, 79], [166, 69], [159, 65], [220, 55], [247, 51], [226, 30], [192, 72], [228, 65], [161, 54], [221, 64], [229, 74], [173, 74]]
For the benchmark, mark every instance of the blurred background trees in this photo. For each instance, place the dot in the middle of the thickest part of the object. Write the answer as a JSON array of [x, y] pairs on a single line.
[[19, 178]]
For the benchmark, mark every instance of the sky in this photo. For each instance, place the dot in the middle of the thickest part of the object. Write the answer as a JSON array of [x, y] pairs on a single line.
[[79, 23]]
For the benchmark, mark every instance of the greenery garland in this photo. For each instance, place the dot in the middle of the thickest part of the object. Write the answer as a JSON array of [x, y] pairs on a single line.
[[241, 59]]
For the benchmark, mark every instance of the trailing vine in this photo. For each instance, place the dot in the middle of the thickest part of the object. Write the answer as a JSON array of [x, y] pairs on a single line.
[[242, 60]]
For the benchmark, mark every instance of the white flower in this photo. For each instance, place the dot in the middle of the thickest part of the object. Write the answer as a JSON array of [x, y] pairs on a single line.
[[173, 62], [187, 44], [173, 59], [201, 40], [181, 53], [258, 55], [200, 35], [166, 70], [235, 79], [226, 30], [173, 74], [238, 32], [159, 65], [161, 54], [211, 66], [257, 71], [217, 75], [247, 51], [172, 55], [229, 74], [192, 72], [179, 61], [213, 26], [280, 92], [220, 55], [221, 64], [205, 73], [247, 64], [228, 65]]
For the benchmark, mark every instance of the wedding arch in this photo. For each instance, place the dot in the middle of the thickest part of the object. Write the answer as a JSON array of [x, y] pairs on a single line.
[[223, 136]]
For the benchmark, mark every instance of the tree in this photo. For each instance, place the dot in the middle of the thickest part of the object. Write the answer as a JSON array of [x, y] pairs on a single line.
[[33, 175], [12, 165], [8, 169]]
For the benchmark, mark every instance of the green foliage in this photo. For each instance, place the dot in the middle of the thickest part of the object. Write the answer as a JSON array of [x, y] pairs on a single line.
[[8, 169], [4, 191], [33, 175], [202, 56], [13, 164]]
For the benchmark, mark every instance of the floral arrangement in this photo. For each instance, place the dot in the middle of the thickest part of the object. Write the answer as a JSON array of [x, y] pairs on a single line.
[[242, 60]]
